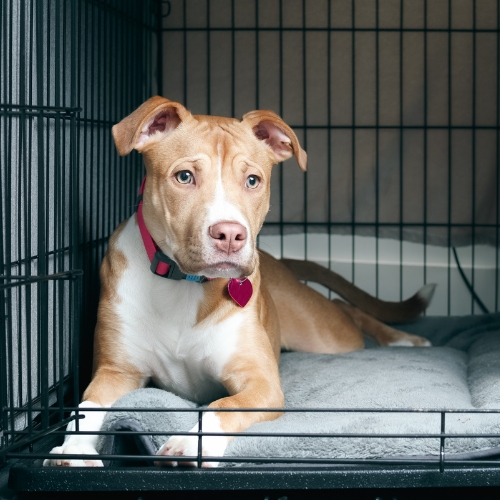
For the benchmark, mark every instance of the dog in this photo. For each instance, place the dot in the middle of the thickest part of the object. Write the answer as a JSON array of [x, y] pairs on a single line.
[[189, 303]]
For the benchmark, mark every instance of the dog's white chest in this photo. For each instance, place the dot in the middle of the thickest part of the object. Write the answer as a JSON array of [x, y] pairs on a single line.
[[160, 334]]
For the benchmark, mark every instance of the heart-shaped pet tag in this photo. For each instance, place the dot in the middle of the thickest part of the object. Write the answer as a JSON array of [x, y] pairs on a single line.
[[241, 290]]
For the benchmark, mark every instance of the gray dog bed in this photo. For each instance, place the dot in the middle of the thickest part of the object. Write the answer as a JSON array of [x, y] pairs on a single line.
[[461, 371]]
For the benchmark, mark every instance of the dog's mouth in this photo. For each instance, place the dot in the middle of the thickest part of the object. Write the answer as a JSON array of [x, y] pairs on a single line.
[[225, 269], [221, 269], [215, 266]]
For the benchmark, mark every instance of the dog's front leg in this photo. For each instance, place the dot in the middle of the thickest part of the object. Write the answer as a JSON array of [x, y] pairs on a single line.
[[252, 383], [106, 387], [75, 444]]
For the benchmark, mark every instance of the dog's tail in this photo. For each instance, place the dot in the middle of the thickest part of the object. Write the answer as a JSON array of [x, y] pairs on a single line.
[[388, 312]]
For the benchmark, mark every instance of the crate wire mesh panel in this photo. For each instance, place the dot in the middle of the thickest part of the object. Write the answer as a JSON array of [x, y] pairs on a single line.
[[63, 191], [40, 292], [341, 73], [395, 101]]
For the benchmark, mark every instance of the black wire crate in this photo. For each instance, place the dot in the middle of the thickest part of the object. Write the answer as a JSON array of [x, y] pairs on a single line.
[[397, 103]]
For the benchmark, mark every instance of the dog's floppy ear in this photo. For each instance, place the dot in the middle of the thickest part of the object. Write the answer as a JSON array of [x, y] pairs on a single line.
[[151, 121], [267, 126]]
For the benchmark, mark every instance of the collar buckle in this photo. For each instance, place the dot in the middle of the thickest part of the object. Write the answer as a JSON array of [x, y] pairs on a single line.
[[163, 266]]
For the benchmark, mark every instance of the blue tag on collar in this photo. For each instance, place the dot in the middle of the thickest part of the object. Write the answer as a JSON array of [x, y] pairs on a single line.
[[192, 277]]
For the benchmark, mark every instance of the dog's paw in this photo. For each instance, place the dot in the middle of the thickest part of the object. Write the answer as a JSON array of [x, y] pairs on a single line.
[[410, 341], [187, 446], [73, 449], [423, 342], [179, 446]]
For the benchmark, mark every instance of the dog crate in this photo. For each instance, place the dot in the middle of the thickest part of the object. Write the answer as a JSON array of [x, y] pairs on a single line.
[[397, 103]]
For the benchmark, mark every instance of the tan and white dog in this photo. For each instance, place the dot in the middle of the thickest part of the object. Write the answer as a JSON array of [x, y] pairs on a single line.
[[204, 202]]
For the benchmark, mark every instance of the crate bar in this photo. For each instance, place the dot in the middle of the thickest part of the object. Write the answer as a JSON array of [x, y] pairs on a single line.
[[279, 410], [442, 442], [281, 109], [42, 267], [184, 40], [74, 261], [401, 144], [24, 280], [97, 104], [42, 113], [425, 146], [159, 43], [497, 211], [68, 194], [75, 304], [377, 145], [137, 92], [353, 141], [8, 223], [107, 147], [28, 251], [396, 127], [50, 111], [338, 29], [34, 257], [83, 132], [257, 54], [304, 118], [75, 311], [100, 99], [474, 137], [387, 224], [450, 155], [329, 139], [32, 66], [209, 100], [257, 72], [3, 301], [113, 112], [200, 438], [59, 202], [233, 62], [21, 207], [90, 106], [120, 113], [441, 436]]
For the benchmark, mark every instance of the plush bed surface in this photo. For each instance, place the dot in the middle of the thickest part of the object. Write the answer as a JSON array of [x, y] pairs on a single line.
[[461, 371]]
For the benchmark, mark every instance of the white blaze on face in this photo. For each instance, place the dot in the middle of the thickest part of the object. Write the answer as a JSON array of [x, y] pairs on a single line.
[[221, 209]]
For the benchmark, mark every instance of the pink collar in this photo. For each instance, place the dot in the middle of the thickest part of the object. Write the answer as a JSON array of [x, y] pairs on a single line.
[[240, 289]]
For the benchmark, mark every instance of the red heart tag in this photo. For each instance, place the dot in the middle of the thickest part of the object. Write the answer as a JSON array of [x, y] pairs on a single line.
[[241, 290]]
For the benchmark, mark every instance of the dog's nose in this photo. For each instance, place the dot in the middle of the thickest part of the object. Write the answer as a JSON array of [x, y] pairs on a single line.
[[229, 237]]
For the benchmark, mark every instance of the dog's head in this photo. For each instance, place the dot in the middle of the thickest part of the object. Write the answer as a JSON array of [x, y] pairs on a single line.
[[208, 181]]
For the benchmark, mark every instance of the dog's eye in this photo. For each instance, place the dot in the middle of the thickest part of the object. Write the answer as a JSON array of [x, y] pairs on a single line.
[[252, 182], [184, 177]]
